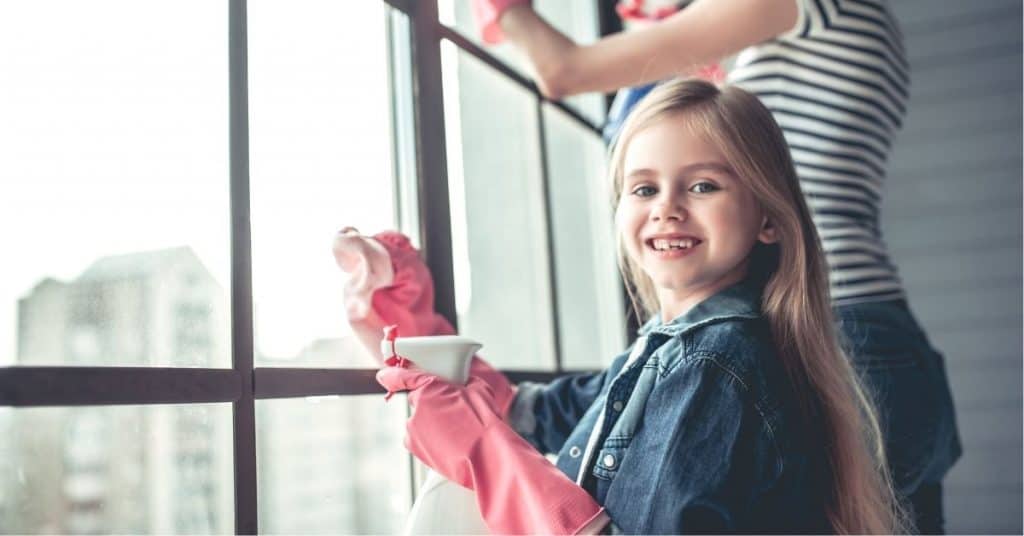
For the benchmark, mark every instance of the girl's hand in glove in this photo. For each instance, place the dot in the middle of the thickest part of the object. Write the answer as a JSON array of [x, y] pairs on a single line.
[[458, 432], [389, 285]]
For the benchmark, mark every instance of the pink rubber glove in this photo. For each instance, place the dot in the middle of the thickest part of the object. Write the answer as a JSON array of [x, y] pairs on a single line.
[[456, 430], [390, 285], [711, 72], [486, 14]]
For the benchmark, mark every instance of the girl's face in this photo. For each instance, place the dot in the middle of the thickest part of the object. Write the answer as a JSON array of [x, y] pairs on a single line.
[[684, 217]]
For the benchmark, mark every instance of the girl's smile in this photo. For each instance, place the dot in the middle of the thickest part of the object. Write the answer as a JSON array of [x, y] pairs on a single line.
[[672, 245], [684, 216]]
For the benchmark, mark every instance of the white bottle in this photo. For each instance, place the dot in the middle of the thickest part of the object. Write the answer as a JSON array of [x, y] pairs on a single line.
[[441, 506]]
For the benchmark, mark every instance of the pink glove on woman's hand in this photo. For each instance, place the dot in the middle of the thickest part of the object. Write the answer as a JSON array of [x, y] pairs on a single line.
[[390, 285], [486, 13], [457, 431]]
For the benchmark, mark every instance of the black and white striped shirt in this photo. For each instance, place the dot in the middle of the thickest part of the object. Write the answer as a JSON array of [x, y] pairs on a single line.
[[837, 84]]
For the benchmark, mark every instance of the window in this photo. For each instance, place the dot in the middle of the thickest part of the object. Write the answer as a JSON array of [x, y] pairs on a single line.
[[530, 210], [163, 469], [576, 19], [332, 465], [113, 152], [174, 356], [499, 223], [320, 159], [586, 280]]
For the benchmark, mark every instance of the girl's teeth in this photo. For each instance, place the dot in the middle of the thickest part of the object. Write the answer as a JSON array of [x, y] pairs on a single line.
[[662, 244]]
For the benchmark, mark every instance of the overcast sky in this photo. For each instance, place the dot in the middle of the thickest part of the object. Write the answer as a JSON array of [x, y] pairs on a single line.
[[114, 139]]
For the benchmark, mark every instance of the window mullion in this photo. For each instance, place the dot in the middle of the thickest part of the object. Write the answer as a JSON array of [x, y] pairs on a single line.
[[91, 386], [432, 166], [545, 173], [244, 409]]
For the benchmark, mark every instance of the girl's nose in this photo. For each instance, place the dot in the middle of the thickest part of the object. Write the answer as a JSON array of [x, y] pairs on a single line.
[[668, 209]]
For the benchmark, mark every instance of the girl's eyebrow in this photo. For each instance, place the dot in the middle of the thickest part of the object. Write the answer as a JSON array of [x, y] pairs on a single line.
[[685, 170], [707, 166], [640, 172]]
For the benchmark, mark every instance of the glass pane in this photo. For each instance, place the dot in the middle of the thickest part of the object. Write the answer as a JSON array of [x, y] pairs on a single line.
[[590, 302], [117, 470], [320, 160], [114, 183], [402, 106], [578, 20], [332, 465], [499, 235]]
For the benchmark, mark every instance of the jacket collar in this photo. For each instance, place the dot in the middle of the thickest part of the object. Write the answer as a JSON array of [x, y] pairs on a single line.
[[742, 300]]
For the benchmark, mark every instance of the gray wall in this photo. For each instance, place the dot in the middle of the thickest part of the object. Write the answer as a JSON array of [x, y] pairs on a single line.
[[953, 220]]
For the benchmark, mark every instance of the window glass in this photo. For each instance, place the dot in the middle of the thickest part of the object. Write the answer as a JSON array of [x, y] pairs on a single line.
[[117, 470], [590, 304], [332, 465], [499, 240], [114, 183], [578, 20], [320, 152]]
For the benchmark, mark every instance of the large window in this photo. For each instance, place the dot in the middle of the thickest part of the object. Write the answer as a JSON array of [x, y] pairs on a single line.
[[499, 222], [113, 161], [174, 356], [153, 469], [320, 159]]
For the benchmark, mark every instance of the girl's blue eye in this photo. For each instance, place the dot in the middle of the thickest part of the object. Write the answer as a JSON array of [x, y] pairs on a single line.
[[704, 188], [644, 191]]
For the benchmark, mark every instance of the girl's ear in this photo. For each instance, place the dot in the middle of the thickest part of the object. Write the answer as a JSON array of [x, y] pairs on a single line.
[[769, 234]]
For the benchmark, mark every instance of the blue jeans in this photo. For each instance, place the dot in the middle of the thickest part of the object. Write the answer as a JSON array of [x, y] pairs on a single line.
[[907, 380], [926, 506]]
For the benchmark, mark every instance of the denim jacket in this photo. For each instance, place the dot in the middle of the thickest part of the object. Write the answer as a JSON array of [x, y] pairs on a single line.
[[693, 429]]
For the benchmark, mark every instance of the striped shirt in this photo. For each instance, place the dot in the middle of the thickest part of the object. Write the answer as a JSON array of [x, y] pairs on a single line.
[[837, 85]]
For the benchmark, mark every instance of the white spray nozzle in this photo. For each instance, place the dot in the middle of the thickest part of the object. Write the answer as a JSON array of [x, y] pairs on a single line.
[[448, 356]]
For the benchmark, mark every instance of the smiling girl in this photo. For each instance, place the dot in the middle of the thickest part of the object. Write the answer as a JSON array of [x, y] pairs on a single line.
[[734, 411]]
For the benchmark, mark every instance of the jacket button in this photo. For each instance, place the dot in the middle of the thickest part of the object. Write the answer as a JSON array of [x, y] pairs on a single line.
[[609, 461], [617, 405], [574, 452]]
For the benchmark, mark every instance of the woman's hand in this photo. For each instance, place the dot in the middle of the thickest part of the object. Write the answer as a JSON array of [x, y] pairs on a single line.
[[486, 14]]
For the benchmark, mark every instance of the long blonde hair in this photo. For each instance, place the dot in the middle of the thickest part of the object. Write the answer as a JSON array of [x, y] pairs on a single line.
[[795, 302]]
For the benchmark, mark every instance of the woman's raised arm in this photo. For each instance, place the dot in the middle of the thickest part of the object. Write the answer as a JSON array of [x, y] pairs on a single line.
[[704, 32]]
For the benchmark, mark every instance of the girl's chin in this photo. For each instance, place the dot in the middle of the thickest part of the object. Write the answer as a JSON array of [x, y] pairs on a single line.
[[674, 283], [691, 286]]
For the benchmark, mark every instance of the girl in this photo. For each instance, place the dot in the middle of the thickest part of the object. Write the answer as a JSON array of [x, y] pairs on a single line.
[[835, 75], [734, 411]]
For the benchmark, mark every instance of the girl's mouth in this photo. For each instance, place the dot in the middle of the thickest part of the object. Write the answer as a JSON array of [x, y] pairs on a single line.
[[672, 247], [663, 244]]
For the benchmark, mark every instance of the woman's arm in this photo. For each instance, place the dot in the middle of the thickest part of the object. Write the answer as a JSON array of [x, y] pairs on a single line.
[[704, 32]]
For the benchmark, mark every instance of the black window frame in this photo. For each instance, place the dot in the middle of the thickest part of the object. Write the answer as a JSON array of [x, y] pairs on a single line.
[[243, 383]]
